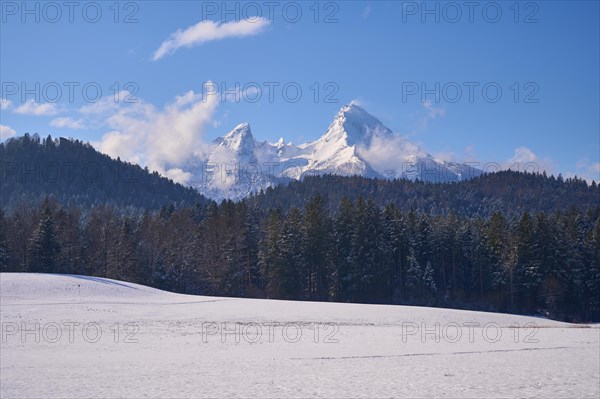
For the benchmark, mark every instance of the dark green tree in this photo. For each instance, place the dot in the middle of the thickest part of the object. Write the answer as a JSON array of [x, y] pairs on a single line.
[[45, 247]]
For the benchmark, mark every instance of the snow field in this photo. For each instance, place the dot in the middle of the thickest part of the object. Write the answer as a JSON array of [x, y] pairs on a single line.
[[77, 336]]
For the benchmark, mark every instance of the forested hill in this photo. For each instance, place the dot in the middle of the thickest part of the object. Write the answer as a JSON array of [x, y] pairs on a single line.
[[74, 173], [509, 192]]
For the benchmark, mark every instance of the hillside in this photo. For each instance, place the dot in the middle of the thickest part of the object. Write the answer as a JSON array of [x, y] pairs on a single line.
[[117, 339], [509, 192], [76, 174]]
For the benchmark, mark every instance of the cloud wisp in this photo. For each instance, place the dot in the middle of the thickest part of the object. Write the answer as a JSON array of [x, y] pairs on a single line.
[[586, 169], [5, 103], [67, 123], [30, 107], [162, 139], [6, 132], [432, 113], [207, 31]]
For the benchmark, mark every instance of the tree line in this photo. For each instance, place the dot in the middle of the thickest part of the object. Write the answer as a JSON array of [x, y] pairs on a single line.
[[351, 251], [509, 192]]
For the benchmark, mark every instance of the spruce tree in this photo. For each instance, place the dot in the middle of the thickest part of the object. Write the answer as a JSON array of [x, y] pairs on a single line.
[[316, 248], [342, 257], [429, 281], [45, 247], [414, 275], [4, 254]]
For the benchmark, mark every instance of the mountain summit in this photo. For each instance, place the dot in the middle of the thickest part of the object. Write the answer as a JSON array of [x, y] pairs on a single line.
[[337, 151], [237, 146], [240, 138], [356, 143], [355, 125]]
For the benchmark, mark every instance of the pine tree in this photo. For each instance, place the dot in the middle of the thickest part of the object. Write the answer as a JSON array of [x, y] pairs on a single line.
[[364, 246], [502, 254], [100, 239], [45, 247], [272, 257], [380, 260], [342, 257], [293, 244], [151, 253], [213, 267], [394, 230], [591, 274], [414, 275], [180, 260], [67, 223], [4, 247], [122, 259], [248, 251], [316, 248], [441, 248], [429, 281]]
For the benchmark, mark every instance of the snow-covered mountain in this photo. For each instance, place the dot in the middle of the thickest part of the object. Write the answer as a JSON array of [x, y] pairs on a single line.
[[234, 166], [356, 143]]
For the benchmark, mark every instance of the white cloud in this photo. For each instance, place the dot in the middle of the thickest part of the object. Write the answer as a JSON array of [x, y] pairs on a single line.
[[385, 153], [68, 123], [178, 175], [467, 156], [523, 155], [358, 102], [5, 103], [30, 107], [469, 153], [6, 132], [104, 105], [446, 156], [164, 140], [525, 160], [587, 170], [432, 113], [206, 31]]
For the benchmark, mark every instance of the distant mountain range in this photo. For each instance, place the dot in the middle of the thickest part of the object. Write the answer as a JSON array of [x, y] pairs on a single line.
[[355, 144], [76, 174]]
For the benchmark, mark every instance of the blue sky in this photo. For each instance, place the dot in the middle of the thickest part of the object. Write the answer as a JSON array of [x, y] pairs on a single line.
[[369, 52]]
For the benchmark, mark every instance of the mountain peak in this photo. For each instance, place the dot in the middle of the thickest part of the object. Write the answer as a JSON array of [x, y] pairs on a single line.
[[352, 107], [243, 129], [353, 124], [239, 138], [354, 112]]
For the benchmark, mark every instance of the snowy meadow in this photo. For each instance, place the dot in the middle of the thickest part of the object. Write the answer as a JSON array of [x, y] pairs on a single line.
[[75, 336]]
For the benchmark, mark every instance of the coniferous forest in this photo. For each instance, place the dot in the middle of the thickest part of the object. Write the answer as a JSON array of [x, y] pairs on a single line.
[[510, 242]]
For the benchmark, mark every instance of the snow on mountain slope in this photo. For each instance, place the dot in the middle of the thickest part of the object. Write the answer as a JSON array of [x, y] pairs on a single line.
[[356, 143], [237, 145], [76, 336], [336, 152], [234, 166]]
